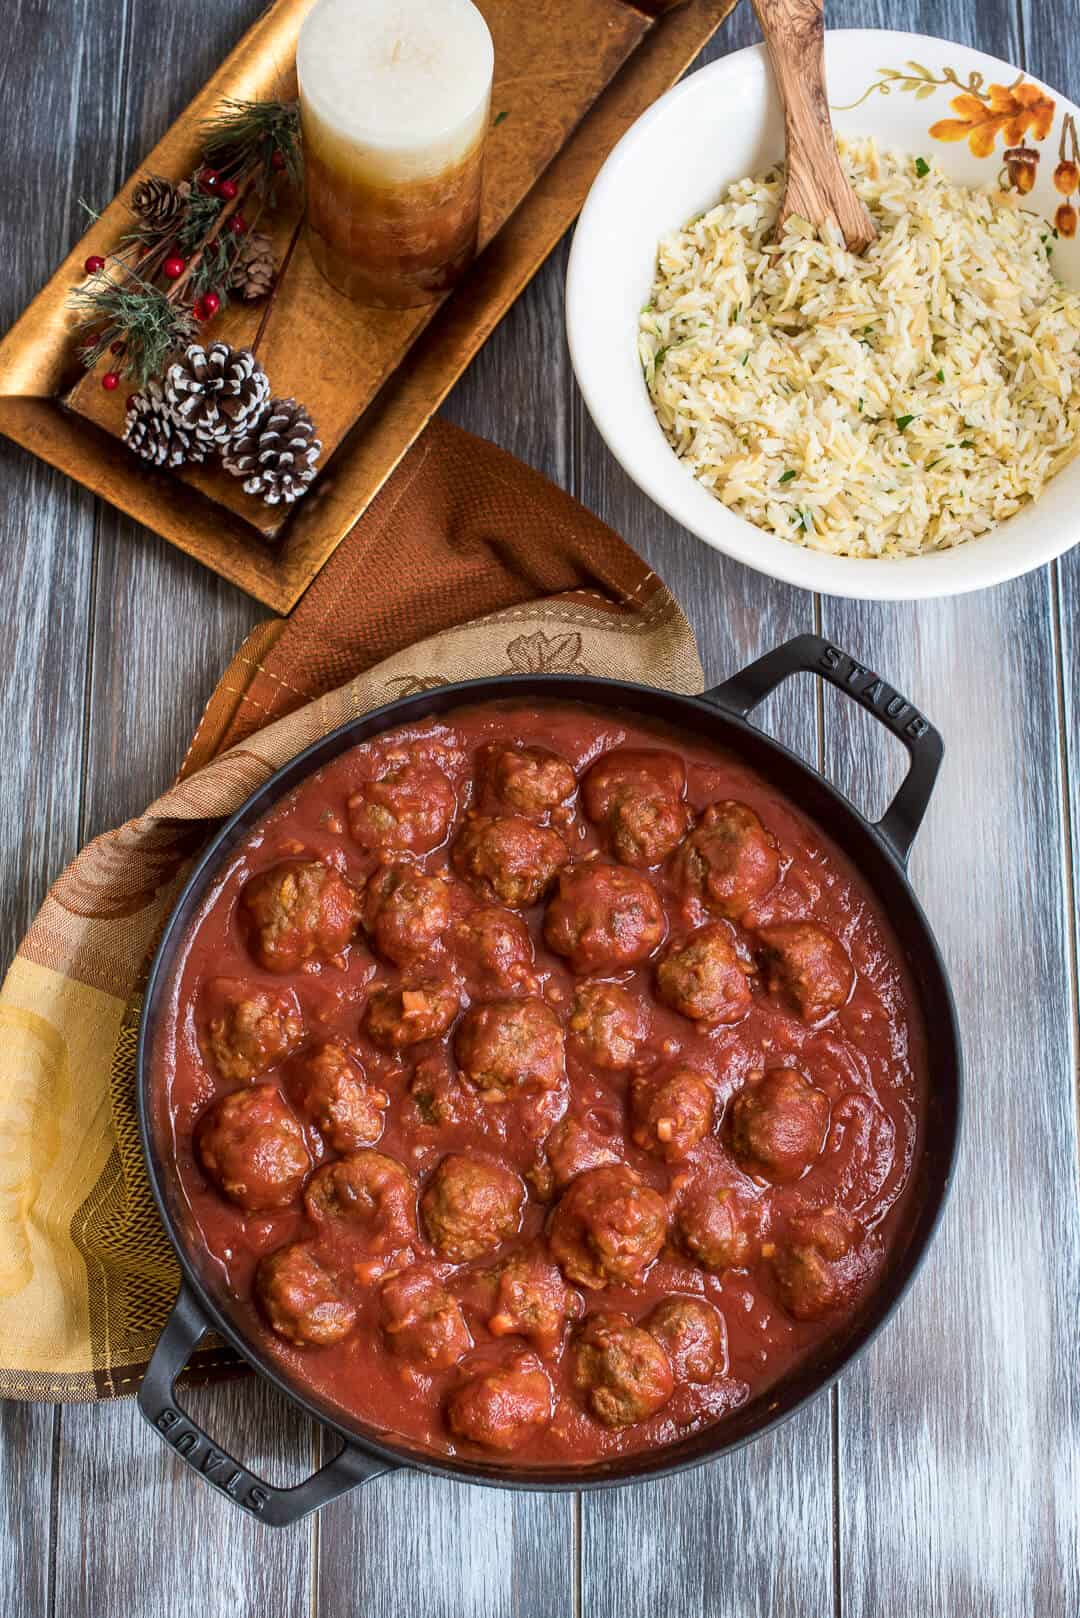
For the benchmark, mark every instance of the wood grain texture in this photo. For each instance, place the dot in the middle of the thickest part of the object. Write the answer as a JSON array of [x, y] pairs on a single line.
[[137, 1536], [959, 1436], [817, 188], [26, 1469], [944, 1478], [54, 136]]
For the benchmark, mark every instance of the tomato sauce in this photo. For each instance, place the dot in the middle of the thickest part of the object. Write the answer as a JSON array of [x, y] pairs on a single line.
[[868, 1059]]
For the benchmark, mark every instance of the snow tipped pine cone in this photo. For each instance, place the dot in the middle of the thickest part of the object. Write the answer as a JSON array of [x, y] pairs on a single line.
[[276, 458], [152, 432], [217, 393]]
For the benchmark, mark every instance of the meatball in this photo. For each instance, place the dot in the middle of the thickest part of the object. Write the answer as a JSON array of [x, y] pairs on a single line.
[[643, 828], [438, 1097], [604, 918], [470, 1205], [406, 811], [493, 950], [692, 1335], [510, 1046], [531, 1300], [501, 1409], [702, 978], [808, 966], [299, 911], [253, 1149], [405, 912], [607, 1026], [672, 1116], [422, 1321], [396, 1018], [572, 1147], [368, 1197], [631, 769], [638, 796], [620, 1370], [300, 1300], [816, 1266], [509, 858], [249, 1029], [607, 1226], [778, 1125], [526, 780], [709, 1228], [330, 1089], [729, 860]]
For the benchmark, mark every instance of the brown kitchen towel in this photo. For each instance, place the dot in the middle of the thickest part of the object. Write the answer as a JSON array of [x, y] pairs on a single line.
[[468, 563]]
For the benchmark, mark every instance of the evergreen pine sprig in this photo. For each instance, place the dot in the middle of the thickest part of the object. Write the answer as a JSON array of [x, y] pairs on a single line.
[[264, 135], [199, 218], [138, 315], [216, 267]]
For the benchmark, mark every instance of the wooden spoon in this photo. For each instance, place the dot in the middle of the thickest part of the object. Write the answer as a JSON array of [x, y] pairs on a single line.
[[817, 190]]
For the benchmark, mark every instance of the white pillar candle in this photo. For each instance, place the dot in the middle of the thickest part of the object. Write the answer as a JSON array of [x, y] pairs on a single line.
[[395, 101]]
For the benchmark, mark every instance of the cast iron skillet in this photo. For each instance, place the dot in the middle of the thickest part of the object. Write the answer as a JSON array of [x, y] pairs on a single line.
[[879, 851]]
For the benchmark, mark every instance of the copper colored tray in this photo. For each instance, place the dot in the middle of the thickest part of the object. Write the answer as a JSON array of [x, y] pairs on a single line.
[[570, 76]]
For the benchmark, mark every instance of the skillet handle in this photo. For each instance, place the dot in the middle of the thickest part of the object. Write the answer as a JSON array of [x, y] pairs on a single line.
[[183, 1331], [813, 654]]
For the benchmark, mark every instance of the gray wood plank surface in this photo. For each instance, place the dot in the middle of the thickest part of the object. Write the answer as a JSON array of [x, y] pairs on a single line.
[[54, 136], [137, 1536], [959, 1435], [959, 1432], [944, 1477]]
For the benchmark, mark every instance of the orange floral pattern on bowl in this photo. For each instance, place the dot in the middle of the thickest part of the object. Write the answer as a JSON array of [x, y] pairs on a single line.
[[1009, 110], [1067, 177], [1022, 113]]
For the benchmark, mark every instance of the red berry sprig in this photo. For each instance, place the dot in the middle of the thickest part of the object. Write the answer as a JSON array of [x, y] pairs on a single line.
[[155, 284]]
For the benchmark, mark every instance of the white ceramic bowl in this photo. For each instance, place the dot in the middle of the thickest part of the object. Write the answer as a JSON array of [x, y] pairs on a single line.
[[721, 124]]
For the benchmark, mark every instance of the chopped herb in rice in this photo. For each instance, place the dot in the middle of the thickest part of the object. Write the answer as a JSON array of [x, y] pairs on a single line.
[[848, 355]]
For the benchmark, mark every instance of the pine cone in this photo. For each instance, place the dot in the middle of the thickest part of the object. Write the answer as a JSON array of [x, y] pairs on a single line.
[[152, 432], [158, 202], [277, 458], [255, 267], [217, 393]]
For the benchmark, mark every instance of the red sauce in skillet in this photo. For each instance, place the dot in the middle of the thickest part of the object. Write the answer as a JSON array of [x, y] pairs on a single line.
[[742, 1113]]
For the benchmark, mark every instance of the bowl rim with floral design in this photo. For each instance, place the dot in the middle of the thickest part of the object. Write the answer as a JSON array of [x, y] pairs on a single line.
[[725, 122]]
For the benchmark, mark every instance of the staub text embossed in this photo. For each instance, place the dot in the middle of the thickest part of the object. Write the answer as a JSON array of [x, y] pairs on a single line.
[[212, 1463], [873, 692]]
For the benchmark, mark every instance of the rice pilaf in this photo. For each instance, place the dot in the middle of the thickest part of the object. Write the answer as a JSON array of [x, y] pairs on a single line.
[[884, 405]]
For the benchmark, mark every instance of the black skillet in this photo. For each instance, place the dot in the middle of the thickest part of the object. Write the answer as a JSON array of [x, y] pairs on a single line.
[[878, 850]]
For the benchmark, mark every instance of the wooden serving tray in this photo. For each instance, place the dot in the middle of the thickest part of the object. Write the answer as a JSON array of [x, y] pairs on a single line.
[[570, 76]]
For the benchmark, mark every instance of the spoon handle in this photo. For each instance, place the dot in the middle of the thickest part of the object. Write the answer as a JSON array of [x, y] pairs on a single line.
[[817, 187]]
